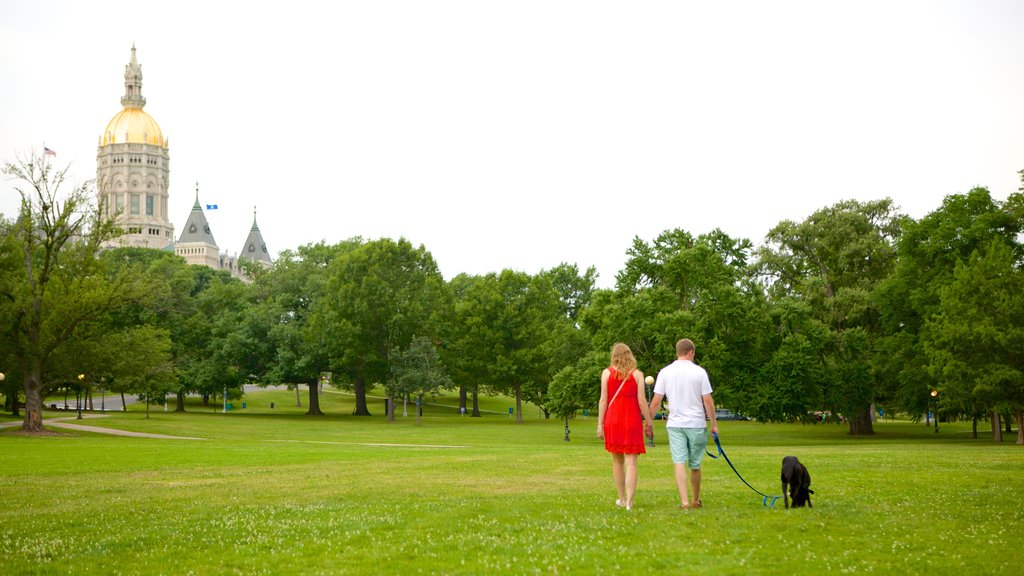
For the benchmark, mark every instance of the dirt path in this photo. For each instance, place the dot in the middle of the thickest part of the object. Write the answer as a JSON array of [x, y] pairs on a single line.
[[60, 423]]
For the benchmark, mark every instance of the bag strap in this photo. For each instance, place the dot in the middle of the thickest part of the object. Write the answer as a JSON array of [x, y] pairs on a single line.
[[621, 386]]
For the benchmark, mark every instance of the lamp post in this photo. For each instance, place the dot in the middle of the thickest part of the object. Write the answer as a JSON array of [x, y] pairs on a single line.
[[78, 396], [648, 392], [935, 411]]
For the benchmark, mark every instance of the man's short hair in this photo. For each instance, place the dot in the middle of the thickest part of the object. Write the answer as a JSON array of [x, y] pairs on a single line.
[[684, 347]]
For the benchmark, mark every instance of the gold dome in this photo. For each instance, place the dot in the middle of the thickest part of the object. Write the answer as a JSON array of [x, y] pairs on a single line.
[[133, 126]]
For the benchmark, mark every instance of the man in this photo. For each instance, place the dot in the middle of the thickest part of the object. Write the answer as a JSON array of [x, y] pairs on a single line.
[[688, 391]]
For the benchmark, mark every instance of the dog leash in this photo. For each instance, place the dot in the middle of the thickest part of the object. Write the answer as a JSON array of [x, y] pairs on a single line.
[[768, 501]]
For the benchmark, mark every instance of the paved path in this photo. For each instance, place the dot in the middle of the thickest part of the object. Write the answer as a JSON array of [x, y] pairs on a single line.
[[60, 423]]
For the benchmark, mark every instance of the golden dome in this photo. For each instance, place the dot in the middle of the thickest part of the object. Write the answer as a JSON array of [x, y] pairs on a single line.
[[133, 126]]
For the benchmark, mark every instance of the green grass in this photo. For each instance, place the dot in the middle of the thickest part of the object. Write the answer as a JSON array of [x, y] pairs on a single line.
[[276, 492]]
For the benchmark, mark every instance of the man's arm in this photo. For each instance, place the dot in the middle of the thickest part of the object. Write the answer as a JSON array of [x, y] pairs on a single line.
[[656, 404], [709, 408]]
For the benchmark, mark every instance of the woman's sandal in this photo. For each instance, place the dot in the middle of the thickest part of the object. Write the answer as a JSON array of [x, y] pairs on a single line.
[[698, 504], [684, 506]]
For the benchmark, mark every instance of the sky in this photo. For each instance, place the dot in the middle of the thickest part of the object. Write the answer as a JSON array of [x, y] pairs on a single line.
[[525, 134]]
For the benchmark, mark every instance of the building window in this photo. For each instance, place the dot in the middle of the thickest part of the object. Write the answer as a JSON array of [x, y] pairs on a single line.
[[118, 203], [149, 204], [135, 204]]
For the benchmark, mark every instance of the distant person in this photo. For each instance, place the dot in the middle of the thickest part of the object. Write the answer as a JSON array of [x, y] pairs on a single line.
[[687, 389], [623, 420]]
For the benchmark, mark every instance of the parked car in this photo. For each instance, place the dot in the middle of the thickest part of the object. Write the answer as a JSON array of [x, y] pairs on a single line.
[[723, 414]]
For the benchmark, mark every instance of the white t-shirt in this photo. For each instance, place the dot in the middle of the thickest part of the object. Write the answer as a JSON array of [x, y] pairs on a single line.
[[684, 384]]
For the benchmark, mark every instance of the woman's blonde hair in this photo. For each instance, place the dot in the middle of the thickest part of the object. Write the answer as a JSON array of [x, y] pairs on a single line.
[[623, 360]]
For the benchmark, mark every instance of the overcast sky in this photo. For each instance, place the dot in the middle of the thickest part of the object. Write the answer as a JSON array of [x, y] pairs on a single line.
[[524, 134]]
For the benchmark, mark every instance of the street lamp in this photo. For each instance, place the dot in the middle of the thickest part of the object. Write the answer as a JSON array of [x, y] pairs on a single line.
[[78, 396], [935, 412], [648, 393]]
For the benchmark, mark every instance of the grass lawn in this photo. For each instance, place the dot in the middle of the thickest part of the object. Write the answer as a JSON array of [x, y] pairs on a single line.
[[276, 492]]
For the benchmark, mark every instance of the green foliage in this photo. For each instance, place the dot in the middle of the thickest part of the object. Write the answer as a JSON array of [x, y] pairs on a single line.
[[377, 297], [975, 339], [61, 289], [417, 371], [833, 262], [929, 252]]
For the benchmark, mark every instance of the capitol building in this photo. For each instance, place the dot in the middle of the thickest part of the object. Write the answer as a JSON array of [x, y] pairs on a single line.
[[132, 182]]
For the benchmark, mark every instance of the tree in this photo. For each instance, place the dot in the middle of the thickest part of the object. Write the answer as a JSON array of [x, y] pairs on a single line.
[[417, 371], [928, 252], [61, 285], [506, 322], [685, 286], [377, 297], [285, 300], [975, 339], [833, 261]]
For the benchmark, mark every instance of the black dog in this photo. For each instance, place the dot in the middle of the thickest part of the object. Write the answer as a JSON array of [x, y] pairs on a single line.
[[798, 479]]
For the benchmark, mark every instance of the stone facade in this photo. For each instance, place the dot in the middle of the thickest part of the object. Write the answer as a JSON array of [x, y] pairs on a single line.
[[133, 169], [132, 178]]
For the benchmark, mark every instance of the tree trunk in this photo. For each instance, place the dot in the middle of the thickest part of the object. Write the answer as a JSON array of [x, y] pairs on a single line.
[[33, 405], [419, 409], [1009, 424], [997, 430], [1020, 426], [974, 426], [298, 397], [391, 407], [476, 405], [124, 405], [180, 405], [519, 403], [860, 423], [360, 391], [314, 400]]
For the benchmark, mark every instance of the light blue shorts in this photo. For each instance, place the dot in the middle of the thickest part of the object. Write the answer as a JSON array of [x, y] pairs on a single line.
[[687, 445]]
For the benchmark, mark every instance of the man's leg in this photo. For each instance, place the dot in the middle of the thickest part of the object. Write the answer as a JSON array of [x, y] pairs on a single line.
[[695, 483], [680, 470]]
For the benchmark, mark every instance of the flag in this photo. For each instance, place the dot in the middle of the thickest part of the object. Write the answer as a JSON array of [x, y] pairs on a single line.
[[211, 206], [48, 152]]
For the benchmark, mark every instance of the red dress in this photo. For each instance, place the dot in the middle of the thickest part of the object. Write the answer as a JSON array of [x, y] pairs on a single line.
[[623, 423]]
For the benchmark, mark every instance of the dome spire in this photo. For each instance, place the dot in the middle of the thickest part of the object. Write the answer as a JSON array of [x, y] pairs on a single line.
[[133, 84]]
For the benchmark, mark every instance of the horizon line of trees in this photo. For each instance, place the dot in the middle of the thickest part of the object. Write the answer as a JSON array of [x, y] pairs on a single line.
[[856, 306]]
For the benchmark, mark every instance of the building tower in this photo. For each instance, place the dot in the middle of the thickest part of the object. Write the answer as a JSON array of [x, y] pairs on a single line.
[[196, 244], [132, 170], [255, 248]]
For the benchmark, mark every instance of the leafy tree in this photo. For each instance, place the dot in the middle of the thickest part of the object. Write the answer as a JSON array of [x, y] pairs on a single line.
[[975, 339], [833, 261], [417, 371], [285, 300], [206, 350], [685, 286], [928, 252], [61, 285], [506, 320], [377, 297]]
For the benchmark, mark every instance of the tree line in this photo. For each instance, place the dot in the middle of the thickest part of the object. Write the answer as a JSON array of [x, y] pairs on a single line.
[[854, 308]]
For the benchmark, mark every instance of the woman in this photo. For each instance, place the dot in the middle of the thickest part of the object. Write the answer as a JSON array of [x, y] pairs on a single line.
[[619, 413]]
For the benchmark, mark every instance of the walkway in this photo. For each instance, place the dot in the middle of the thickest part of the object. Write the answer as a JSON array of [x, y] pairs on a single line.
[[60, 423]]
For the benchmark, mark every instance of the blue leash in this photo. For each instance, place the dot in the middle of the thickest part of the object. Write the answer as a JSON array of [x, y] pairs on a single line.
[[768, 501]]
